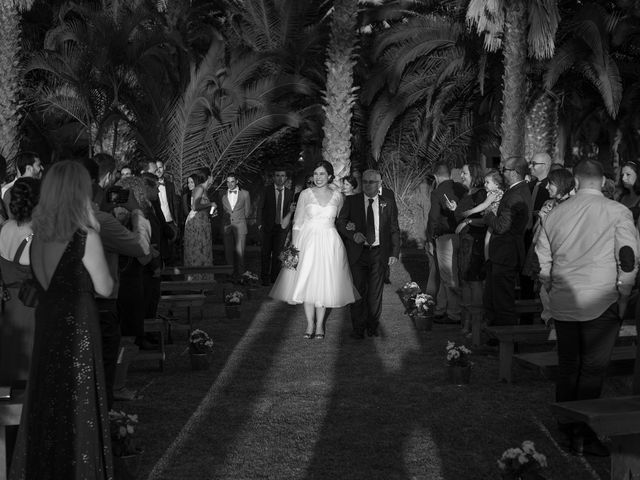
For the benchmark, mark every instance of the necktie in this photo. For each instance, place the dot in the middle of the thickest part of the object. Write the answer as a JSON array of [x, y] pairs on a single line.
[[371, 226], [279, 207]]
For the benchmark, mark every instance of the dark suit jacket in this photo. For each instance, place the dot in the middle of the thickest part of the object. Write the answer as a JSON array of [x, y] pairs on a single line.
[[267, 208], [506, 246], [173, 200], [542, 195], [353, 211], [442, 220], [238, 216]]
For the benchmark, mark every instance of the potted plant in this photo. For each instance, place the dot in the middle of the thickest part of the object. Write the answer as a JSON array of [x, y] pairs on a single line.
[[232, 303], [250, 281], [408, 294], [522, 463], [126, 452], [458, 363], [423, 311], [200, 347]]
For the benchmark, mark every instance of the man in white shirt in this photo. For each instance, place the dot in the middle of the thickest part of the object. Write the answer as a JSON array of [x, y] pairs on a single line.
[[169, 203], [588, 250], [236, 206], [28, 164]]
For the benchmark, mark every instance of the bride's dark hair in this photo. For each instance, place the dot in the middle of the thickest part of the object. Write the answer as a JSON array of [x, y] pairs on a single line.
[[327, 166]]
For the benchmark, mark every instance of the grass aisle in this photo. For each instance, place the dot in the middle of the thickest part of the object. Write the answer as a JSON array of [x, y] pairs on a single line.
[[276, 406]]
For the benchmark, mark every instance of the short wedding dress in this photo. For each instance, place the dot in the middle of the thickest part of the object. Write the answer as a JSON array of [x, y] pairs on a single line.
[[322, 276]]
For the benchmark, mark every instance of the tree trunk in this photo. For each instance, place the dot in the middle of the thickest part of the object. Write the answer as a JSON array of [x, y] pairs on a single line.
[[9, 80], [514, 80], [542, 128], [339, 95]]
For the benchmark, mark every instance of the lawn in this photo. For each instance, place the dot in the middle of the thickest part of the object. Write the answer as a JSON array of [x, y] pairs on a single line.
[[275, 406]]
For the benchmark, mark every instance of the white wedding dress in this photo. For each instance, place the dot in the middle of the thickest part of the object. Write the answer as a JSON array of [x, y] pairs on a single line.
[[322, 276]]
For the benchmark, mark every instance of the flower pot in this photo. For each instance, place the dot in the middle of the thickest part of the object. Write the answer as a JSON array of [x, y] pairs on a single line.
[[522, 476], [423, 321], [232, 311], [252, 293], [126, 467], [459, 375], [199, 361]]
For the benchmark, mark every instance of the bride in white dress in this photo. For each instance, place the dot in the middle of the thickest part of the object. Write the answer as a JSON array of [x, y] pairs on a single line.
[[322, 278]]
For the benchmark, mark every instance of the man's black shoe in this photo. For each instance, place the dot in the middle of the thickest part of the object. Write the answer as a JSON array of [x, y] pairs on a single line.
[[440, 319], [373, 332], [356, 335]]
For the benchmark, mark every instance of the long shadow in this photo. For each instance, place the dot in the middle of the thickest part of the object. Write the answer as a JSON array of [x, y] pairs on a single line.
[[222, 423], [372, 414], [417, 266]]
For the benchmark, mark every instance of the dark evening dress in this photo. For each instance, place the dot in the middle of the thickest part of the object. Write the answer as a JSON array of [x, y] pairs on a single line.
[[64, 432]]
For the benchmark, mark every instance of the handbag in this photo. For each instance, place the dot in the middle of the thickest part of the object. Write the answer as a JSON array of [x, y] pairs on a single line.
[[29, 288], [29, 293]]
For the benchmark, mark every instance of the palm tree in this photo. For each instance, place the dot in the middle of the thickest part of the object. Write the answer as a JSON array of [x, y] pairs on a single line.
[[518, 27], [10, 78], [340, 92]]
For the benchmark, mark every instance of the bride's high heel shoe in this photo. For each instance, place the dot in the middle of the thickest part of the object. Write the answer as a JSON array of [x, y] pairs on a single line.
[[308, 336]]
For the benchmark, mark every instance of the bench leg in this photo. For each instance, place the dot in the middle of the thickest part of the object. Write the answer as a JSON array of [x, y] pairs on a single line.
[[625, 457], [476, 328], [3, 452], [505, 359]]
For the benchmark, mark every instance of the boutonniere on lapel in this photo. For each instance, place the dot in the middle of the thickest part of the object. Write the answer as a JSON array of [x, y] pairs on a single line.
[[382, 204]]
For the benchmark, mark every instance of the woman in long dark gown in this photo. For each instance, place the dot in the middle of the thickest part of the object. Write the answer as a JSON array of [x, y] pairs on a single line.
[[64, 432]]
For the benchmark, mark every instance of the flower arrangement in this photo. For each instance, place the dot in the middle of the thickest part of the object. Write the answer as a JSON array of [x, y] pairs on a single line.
[[289, 257], [122, 427], [423, 302], [457, 355], [200, 342], [521, 462], [249, 278], [233, 298], [408, 293]]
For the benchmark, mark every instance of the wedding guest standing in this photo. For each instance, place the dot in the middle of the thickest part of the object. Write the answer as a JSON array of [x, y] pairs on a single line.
[[349, 185], [236, 207], [441, 235], [64, 430], [322, 278], [276, 202], [4, 213], [368, 223], [471, 232], [198, 248], [28, 164], [629, 188], [187, 193], [17, 320], [588, 250]]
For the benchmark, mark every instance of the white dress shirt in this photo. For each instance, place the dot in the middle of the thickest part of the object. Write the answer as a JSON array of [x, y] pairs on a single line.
[[376, 217], [233, 197], [164, 202], [275, 188]]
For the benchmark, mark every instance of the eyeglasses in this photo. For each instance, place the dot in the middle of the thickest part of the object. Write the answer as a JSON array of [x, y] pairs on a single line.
[[371, 181], [505, 169], [531, 164]]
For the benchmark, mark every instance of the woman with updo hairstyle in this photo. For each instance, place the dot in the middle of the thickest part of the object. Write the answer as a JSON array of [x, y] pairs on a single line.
[[17, 320], [629, 188], [322, 278], [64, 428]]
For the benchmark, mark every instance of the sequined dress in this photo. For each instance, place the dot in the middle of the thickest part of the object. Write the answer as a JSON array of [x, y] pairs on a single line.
[[64, 432], [198, 248]]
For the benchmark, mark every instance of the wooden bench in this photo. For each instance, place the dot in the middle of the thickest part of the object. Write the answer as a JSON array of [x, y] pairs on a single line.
[[617, 418], [508, 336], [524, 306], [10, 412], [622, 361], [187, 301], [154, 325], [182, 271]]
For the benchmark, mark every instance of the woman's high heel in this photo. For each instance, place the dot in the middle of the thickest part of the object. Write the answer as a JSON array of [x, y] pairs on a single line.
[[308, 336]]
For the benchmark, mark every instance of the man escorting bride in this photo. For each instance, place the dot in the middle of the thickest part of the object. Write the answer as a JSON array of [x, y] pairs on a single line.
[[322, 278], [325, 274]]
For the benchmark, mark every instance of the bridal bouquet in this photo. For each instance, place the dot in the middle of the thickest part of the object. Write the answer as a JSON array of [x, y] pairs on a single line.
[[289, 257]]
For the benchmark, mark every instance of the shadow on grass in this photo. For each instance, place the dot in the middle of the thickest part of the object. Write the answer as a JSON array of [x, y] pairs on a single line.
[[177, 393], [417, 266], [375, 423]]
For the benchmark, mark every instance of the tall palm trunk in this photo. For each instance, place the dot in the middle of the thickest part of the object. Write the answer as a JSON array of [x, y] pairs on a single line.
[[9, 80], [542, 128], [514, 80], [340, 93]]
